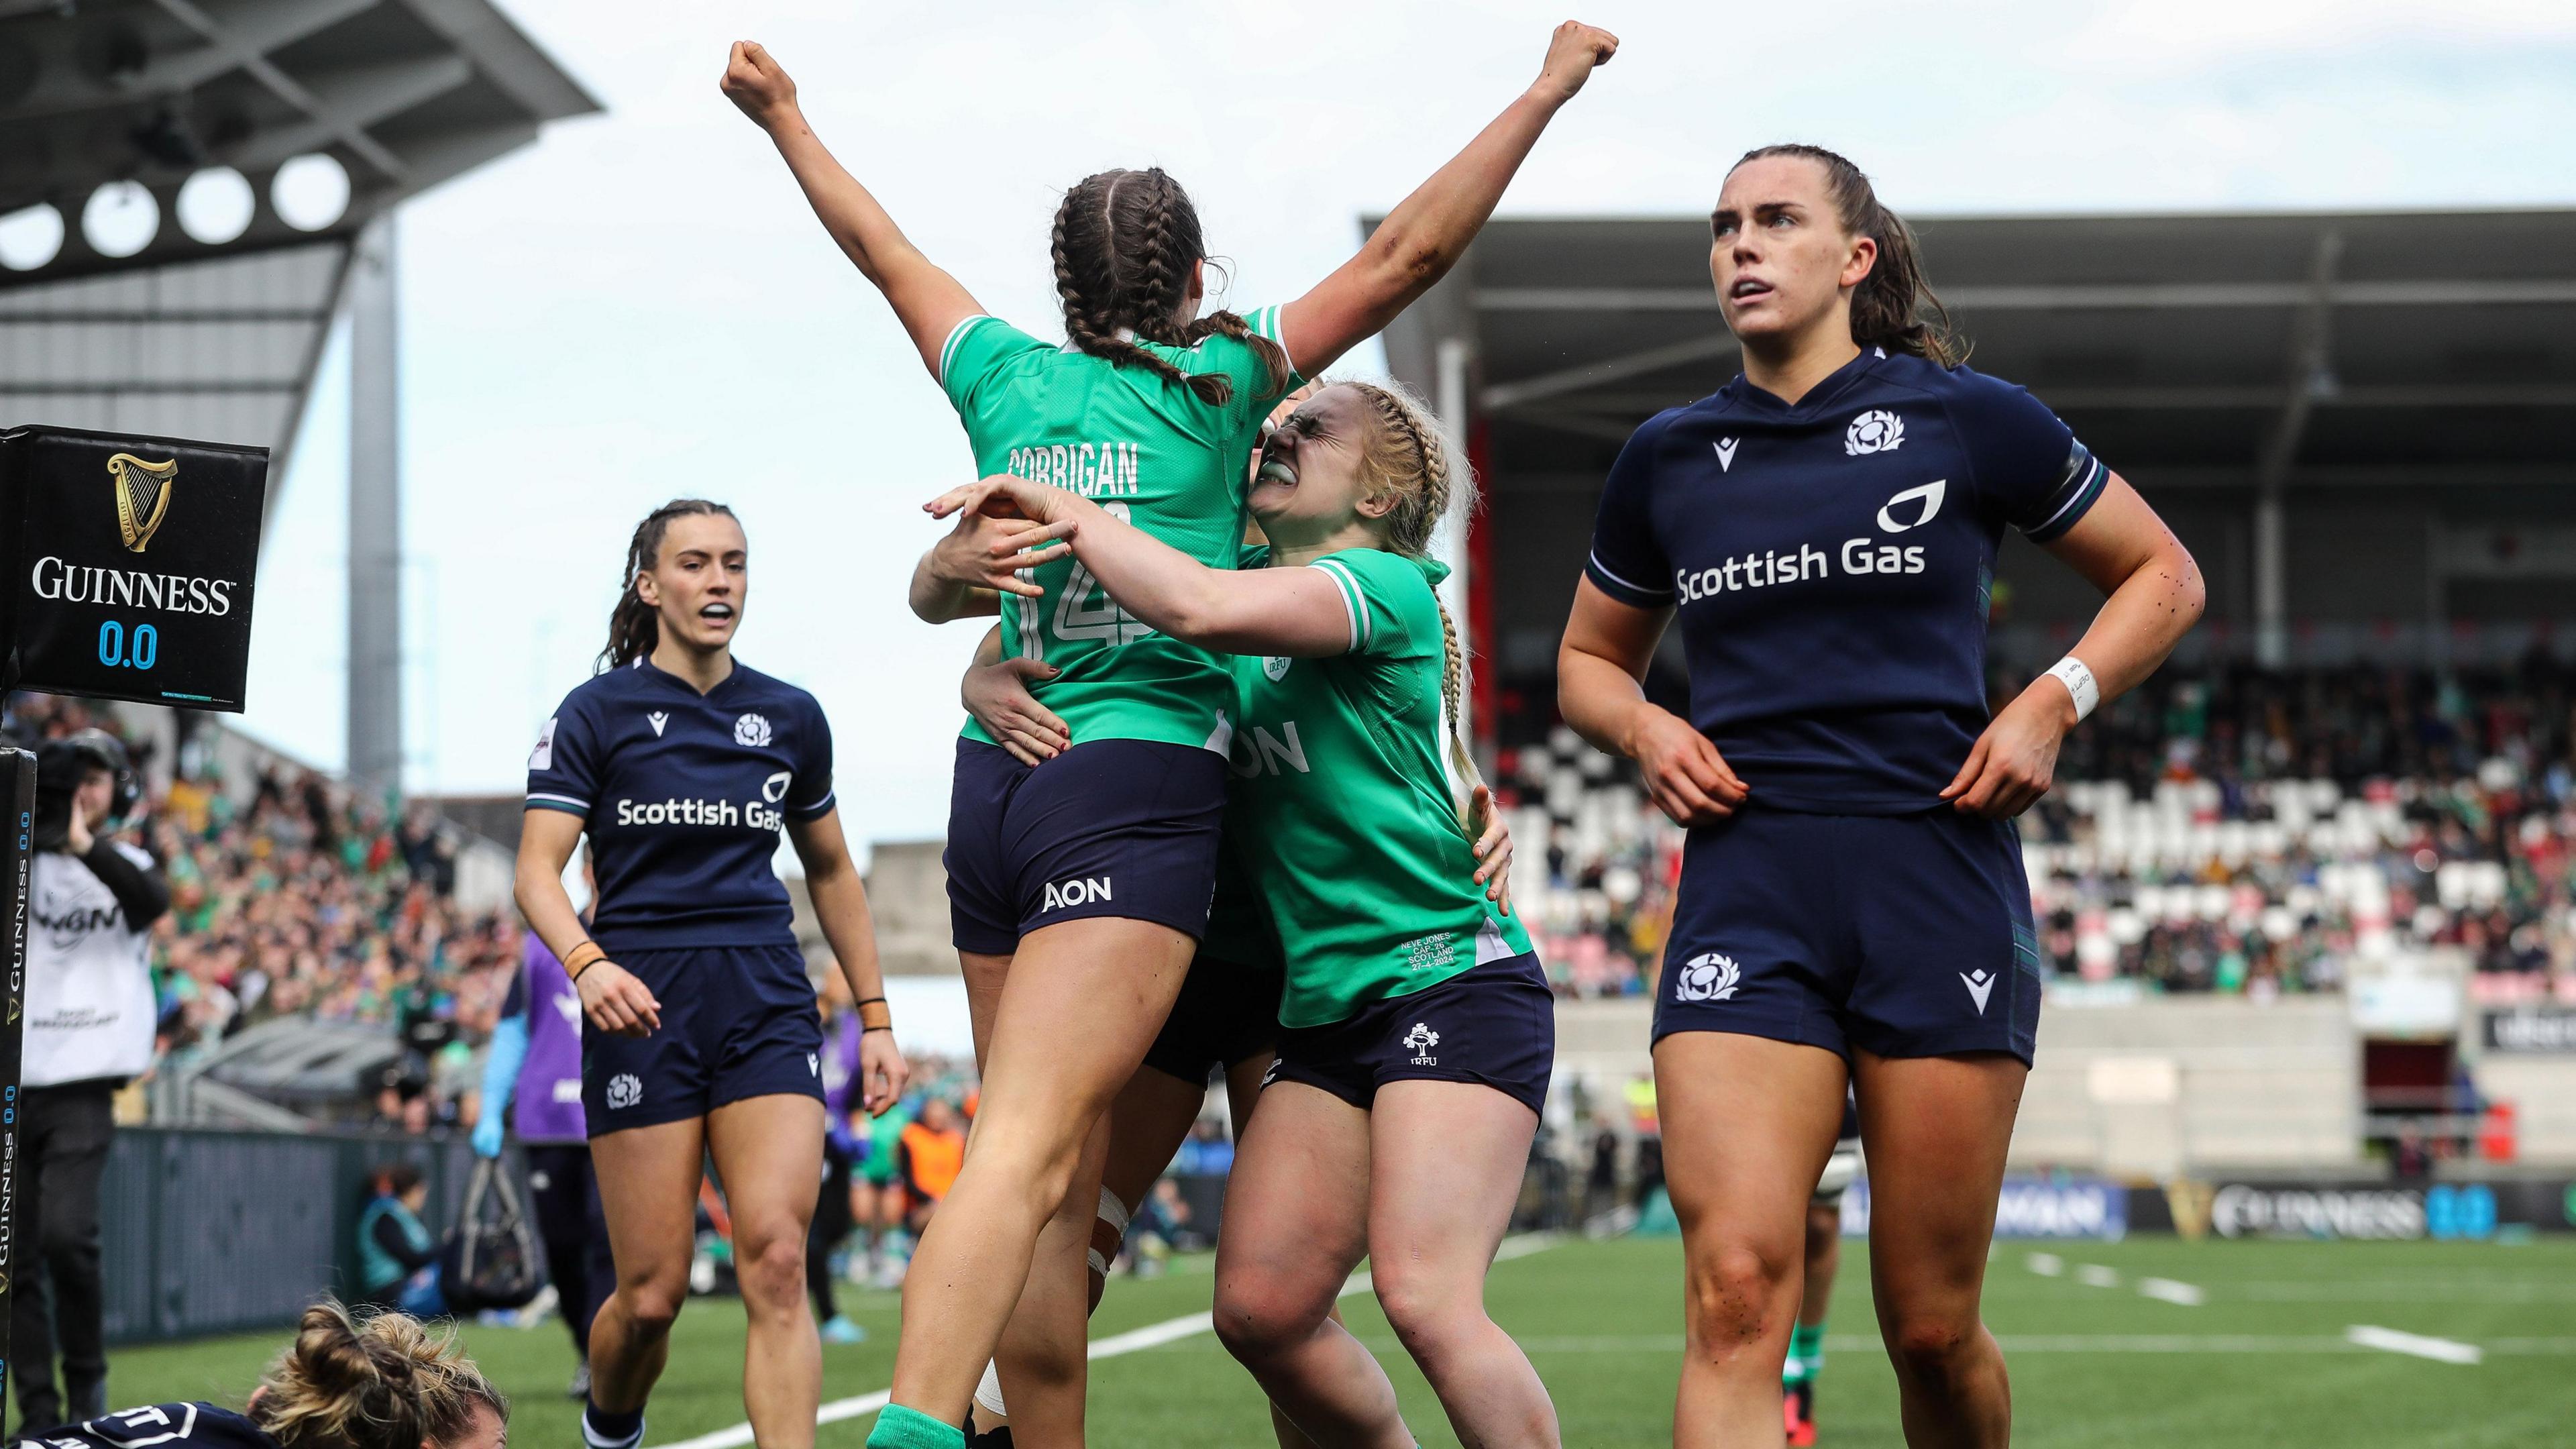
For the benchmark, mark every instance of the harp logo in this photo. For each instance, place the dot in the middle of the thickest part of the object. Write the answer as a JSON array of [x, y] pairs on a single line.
[[142, 496]]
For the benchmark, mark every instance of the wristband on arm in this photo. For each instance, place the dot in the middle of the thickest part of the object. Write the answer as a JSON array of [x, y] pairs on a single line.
[[2071, 672], [582, 957], [875, 1015]]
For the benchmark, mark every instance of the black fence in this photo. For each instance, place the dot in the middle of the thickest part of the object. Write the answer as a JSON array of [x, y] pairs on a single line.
[[217, 1232]]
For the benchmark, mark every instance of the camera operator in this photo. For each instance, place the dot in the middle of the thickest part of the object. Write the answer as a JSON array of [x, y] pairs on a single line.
[[90, 1019]]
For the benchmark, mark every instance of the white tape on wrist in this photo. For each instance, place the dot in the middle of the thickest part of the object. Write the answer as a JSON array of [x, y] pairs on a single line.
[[2079, 682]]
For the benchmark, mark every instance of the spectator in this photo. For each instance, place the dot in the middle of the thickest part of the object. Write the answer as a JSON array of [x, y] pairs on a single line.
[[933, 1148], [89, 1030], [397, 1253]]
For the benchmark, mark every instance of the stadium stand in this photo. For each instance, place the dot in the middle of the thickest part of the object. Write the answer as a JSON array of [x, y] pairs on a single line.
[[294, 899], [2224, 830]]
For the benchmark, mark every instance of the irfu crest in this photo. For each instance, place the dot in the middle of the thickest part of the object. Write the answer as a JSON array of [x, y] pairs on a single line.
[[142, 496]]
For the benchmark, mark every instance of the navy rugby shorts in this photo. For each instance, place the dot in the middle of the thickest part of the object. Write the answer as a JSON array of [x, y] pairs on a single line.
[[1494, 1025], [1901, 935], [1124, 828], [736, 1022], [1228, 1012]]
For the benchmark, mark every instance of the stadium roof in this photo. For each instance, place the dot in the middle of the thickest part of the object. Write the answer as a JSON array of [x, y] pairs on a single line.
[[181, 181], [2342, 348], [2347, 416]]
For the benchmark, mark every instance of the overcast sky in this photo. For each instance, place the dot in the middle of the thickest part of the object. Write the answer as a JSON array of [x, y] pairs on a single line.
[[640, 306]]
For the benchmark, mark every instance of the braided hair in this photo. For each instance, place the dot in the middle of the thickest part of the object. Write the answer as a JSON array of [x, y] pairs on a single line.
[[1408, 455], [634, 626], [1888, 307], [380, 1382], [1124, 243]]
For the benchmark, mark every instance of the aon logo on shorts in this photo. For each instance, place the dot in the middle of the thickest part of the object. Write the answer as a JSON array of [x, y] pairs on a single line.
[[1076, 893]]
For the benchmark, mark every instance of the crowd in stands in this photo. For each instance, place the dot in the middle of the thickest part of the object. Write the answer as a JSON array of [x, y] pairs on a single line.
[[2218, 830], [306, 900]]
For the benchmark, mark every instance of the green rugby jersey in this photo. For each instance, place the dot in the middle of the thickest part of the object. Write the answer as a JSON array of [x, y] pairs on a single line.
[[1149, 452], [1341, 808]]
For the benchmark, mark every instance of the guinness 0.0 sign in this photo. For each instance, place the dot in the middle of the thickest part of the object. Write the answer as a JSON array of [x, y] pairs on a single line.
[[134, 560]]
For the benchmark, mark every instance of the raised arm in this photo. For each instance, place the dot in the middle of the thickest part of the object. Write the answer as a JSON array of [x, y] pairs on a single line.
[[1293, 612], [929, 302], [1425, 235]]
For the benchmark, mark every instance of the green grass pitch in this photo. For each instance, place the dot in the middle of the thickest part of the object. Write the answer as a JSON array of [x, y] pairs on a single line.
[[2263, 1360]]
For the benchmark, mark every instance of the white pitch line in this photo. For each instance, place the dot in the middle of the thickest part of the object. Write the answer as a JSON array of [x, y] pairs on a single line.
[[1152, 1335], [2169, 1291], [2046, 1265], [2094, 1275], [2440, 1350]]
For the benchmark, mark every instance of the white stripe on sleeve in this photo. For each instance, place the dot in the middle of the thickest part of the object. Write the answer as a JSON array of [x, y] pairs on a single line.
[[948, 348], [1363, 628]]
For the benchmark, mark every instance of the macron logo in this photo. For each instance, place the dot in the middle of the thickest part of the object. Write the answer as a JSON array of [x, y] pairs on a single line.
[[1980, 984], [1726, 453], [657, 719], [1075, 893]]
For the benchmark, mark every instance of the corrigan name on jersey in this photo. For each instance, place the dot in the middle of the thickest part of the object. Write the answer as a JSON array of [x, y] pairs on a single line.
[[1094, 470]]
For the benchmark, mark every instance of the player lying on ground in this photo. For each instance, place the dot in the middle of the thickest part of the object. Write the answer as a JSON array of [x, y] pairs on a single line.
[[1852, 904], [1079, 889], [1417, 1029], [683, 766], [378, 1382]]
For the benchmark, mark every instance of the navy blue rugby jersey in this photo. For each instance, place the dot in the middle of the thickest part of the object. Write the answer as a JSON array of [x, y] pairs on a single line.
[[684, 796], [1831, 563], [202, 1425]]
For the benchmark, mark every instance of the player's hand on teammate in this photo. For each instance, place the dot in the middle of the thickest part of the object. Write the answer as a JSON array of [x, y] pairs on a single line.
[[883, 1073], [616, 1002], [1572, 54], [757, 84], [1685, 775], [1004, 525], [2015, 761], [998, 696], [1493, 847]]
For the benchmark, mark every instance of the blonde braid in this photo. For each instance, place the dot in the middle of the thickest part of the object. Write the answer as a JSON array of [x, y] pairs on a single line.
[[1410, 457]]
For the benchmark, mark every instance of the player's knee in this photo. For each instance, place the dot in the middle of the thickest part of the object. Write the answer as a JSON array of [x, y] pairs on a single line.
[[770, 1267], [1736, 1296], [1258, 1318], [1424, 1311], [650, 1305], [1931, 1348]]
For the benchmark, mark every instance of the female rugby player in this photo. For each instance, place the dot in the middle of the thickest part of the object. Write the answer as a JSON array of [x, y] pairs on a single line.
[[1417, 1030], [683, 766], [1092, 873], [378, 1382], [1852, 898]]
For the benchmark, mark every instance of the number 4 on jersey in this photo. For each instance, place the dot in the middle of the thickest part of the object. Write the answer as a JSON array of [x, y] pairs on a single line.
[[1085, 610]]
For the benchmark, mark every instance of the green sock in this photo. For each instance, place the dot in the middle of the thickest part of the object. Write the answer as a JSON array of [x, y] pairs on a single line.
[[902, 1428], [1806, 1354]]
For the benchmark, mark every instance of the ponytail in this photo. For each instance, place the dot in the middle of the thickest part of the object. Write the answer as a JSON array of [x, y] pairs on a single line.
[[1888, 307], [1124, 243], [634, 626], [383, 1382]]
